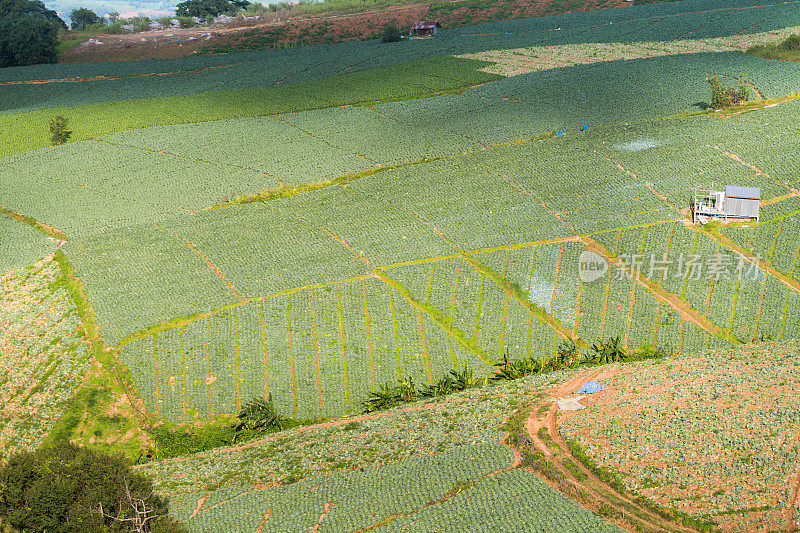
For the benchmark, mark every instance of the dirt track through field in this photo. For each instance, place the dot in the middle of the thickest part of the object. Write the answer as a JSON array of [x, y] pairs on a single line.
[[597, 493]]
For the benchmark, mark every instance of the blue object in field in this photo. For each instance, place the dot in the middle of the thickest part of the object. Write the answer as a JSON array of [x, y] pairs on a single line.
[[561, 133], [583, 128], [590, 387]]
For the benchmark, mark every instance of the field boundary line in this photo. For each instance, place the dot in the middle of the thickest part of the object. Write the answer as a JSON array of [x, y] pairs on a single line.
[[368, 327], [672, 299], [635, 176], [316, 350], [187, 158], [479, 305], [323, 141], [183, 375], [505, 313], [211, 265], [396, 335], [435, 315], [424, 340], [608, 288], [238, 359], [157, 391], [54, 233], [750, 258], [119, 77], [344, 347], [754, 168], [335, 237], [515, 292], [291, 355], [264, 352], [208, 365], [453, 313]]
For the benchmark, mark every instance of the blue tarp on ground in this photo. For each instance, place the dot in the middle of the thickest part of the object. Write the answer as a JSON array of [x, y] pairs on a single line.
[[590, 387]]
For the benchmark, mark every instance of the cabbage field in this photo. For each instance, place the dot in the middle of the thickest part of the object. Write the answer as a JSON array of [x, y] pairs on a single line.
[[321, 297], [342, 217]]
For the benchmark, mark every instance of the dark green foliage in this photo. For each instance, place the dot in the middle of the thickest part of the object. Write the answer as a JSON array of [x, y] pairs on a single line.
[[568, 353], [258, 414], [28, 33], [62, 488], [516, 368], [209, 8], [58, 130], [81, 18], [452, 382], [609, 351], [722, 96], [788, 50], [391, 33]]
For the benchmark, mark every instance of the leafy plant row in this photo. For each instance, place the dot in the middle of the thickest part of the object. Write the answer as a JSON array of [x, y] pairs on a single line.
[[569, 356]]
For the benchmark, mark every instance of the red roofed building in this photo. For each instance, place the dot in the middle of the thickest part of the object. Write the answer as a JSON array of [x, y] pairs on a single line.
[[424, 28]]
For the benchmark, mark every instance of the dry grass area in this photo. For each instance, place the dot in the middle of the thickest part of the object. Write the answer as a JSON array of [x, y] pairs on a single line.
[[524, 60], [43, 357], [713, 435]]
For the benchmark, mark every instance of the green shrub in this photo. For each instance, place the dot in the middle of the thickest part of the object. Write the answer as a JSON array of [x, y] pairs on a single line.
[[115, 28], [64, 488], [186, 22], [391, 33], [722, 96], [58, 130]]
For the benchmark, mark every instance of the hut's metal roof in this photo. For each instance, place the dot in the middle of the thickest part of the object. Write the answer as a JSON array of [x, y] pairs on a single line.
[[741, 207], [425, 25], [751, 193]]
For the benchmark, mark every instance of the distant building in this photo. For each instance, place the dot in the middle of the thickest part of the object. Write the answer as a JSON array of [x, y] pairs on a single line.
[[736, 203], [424, 28]]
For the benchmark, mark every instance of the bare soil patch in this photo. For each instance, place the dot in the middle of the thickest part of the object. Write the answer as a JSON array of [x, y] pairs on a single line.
[[714, 435]]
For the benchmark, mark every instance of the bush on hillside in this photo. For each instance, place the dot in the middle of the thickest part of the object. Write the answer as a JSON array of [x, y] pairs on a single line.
[[391, 33], [83, 17], [28, 33], [722, 97], [63, 488], [58, 130]]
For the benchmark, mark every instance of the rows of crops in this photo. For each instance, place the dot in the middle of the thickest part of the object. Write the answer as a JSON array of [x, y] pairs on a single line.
[[43, 358], [718, 283], [21, 244], [406, 80], [320, 351], [689, 19], [475, 201], [453, 491], [246, 155]]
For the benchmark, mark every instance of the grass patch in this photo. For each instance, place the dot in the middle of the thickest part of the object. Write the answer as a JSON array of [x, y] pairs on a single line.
[[29, 131], [105, 394]]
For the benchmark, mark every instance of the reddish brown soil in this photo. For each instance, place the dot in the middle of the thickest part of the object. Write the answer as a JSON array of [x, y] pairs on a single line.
[[318, 30]]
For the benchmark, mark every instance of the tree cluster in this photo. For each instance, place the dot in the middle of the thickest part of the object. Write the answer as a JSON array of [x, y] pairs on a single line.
[[209, 8], [63, 488], [28, 33]]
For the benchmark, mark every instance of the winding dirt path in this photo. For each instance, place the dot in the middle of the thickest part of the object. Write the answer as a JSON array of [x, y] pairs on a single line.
[[596, 494]]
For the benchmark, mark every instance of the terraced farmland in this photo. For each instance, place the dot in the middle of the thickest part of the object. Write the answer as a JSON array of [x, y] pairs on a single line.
[[312, 238]]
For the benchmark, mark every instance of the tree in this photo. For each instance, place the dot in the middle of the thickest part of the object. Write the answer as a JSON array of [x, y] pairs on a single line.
[[391, 33], [64, 488], [28, 33], [58, 130], [722, 96], [113, 16], [209, 8], [83, 17]]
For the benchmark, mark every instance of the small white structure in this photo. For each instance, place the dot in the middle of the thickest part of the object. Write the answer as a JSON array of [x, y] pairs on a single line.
[[736, 203]]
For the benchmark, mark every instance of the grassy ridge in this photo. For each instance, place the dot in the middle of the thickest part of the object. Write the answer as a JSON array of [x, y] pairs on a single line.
[[415, 79]]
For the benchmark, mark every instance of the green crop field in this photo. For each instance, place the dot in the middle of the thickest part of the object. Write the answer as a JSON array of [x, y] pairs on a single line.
[[345, 217]]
